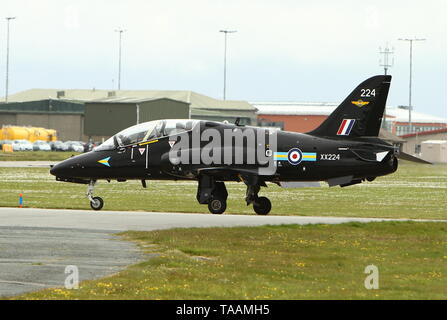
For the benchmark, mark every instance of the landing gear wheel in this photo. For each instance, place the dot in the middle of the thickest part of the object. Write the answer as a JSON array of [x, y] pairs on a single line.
[[217, 206], [97, 203], [262, 206]]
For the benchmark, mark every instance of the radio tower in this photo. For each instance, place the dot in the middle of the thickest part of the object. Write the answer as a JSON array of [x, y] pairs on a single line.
[[385, 59]]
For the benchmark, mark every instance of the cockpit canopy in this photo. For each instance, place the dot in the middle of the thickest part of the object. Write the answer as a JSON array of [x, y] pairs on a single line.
[[147, 131]]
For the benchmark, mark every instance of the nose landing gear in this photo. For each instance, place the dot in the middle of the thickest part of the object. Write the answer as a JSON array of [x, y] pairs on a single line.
[[96, 203]]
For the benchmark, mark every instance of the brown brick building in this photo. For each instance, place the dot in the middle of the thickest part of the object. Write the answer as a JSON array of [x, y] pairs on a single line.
[[306, 116]]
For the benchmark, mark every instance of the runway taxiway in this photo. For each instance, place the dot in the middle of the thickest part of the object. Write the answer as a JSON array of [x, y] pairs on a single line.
[[36, 245]]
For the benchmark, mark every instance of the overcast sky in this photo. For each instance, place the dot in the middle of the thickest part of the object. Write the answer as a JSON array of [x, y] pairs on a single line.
[[282, 51]]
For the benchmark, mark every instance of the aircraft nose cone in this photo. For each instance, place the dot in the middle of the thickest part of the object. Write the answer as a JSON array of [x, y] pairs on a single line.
[[74, 167], [58, 169], [65, 168]]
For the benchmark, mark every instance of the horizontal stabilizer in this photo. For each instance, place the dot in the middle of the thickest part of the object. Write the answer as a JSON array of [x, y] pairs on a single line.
[[409, 157]]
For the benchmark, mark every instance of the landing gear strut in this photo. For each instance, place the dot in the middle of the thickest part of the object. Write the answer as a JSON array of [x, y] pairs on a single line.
[[212, 192], [96, 203]]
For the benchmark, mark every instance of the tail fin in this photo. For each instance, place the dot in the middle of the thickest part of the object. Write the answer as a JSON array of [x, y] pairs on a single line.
[[360, 114]]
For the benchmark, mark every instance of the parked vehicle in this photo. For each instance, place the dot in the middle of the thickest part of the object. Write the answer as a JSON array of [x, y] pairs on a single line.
[[16, 145], [25, 145], [90, 145], [58, 146], [40, 145], [75, 146], [83, 144]]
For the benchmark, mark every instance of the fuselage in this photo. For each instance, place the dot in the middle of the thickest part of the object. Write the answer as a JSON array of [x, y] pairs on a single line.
[[295, 157]]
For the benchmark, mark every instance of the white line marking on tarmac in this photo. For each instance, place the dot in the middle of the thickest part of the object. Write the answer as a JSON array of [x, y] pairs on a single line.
[[26, 283]]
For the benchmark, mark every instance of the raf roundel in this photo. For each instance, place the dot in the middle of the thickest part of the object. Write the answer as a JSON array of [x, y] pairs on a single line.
[[294, 156]]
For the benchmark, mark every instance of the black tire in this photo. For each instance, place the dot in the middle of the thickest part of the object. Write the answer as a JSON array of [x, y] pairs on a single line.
[[217, 205], [97, 203], [262, 206]]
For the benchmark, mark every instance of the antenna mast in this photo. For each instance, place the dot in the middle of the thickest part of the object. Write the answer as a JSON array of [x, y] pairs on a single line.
[[385, 59]]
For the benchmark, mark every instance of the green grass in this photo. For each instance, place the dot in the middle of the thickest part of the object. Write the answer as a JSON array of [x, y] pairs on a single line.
[[281, 262], [36, 155], [414, 191]]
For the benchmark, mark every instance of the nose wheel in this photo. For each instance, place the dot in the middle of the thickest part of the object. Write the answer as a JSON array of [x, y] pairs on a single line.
[[96, 203]]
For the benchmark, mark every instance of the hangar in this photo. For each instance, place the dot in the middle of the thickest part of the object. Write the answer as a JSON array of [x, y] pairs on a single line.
[[116, 114], [80, 112], [66, 117]]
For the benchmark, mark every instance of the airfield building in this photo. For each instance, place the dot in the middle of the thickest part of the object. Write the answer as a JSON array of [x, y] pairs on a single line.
[[66, 117], [306, 116], [80, 114], [414, 141]]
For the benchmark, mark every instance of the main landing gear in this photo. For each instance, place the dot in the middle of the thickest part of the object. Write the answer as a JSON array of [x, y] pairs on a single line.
[[261, 205], [96, 203], [214, 194]]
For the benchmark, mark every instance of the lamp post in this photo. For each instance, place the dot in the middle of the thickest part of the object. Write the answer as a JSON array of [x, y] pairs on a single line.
[[410, 107], [226, 32], [386, 64], [8, 19], [120, 31]]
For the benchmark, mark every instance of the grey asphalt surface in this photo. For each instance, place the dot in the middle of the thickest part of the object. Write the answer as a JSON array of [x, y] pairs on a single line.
[[26, 164], [36, 258], [116, 221], [36, 245]]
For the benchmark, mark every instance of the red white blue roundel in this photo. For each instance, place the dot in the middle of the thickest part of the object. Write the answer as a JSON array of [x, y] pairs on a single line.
[[294, 156]]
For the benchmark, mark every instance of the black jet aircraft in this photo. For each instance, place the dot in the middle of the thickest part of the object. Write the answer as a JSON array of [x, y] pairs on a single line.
[[344, 150]]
